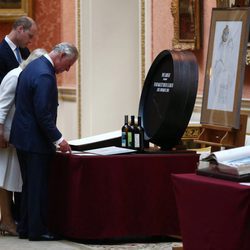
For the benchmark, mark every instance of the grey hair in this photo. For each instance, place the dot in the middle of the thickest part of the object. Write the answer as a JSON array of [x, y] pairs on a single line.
[[24, 21], [67, 48], [33, 55]]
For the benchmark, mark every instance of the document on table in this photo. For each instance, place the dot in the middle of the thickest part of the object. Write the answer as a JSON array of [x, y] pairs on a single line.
[[113, 150], [82, 153], [245, 183]]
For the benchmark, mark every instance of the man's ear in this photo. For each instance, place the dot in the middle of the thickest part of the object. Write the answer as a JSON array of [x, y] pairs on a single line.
[[62, 55], [20, 28]]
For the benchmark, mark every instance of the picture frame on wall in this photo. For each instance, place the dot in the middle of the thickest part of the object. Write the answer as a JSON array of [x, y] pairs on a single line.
[[224, 75], [10, 10], [187, 24]]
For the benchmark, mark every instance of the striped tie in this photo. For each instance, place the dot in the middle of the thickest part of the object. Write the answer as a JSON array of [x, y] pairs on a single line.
[[18, 55]]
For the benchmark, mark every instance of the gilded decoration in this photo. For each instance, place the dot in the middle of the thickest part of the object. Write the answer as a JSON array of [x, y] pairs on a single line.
[[187, 24], [13, 9], [192, 132]]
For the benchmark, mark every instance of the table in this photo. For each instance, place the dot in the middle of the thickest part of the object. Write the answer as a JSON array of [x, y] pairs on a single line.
[[120, 196], [213, 213]]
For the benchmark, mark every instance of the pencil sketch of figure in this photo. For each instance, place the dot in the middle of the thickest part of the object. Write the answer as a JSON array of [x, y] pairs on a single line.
[[224, 66]]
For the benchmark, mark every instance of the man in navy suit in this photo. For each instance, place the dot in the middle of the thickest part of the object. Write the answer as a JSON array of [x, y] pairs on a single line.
[[35, 135], [12, 51], [22, 33]]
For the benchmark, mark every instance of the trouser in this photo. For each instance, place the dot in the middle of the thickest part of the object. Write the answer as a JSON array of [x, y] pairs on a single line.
[[34, 201], [15, 206]]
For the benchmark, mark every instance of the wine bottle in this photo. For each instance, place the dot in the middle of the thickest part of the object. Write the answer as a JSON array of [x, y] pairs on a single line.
[[131, 141], [125, 127], [136, 137], [141, 134]]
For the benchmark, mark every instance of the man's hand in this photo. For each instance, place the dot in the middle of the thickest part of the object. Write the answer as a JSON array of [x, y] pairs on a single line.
[[3, 142], [64, 147]]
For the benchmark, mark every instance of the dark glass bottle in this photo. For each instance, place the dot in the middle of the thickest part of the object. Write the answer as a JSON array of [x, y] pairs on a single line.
[[131, 128], [141, 134], [125, 128], [136, 136]]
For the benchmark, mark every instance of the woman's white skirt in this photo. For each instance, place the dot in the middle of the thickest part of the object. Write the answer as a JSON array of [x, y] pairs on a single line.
[[10, 174]]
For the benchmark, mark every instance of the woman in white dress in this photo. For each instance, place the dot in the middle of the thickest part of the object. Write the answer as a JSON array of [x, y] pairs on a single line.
[[10, 175]]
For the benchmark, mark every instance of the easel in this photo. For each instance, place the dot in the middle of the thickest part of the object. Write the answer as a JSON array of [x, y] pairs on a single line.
[[219, 136]]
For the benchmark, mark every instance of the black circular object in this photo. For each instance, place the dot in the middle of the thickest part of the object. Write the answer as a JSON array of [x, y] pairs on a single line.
[[168, 97]]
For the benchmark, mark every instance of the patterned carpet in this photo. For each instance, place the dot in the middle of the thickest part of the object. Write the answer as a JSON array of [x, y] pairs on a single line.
[[153, 246], [134, 246], [13, 243]]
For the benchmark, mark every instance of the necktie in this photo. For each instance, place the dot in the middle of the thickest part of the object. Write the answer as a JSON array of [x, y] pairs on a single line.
[[18, 55]]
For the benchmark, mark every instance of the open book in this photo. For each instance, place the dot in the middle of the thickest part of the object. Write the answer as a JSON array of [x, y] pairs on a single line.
[[234, 161]]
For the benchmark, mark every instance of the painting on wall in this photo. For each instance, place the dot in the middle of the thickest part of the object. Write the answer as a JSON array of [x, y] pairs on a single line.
[[225, 67], [10, 4], [12, 9], [187, 24]]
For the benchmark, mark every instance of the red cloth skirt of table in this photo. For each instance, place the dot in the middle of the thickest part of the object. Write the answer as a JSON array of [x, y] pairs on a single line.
[[107, 197], [214, 214]]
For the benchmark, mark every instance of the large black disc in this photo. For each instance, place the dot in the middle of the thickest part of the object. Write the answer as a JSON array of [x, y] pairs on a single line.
[[168, 97]]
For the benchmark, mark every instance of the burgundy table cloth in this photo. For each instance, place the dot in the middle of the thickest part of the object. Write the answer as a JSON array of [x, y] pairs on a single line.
[[108, 197], [214, 214]]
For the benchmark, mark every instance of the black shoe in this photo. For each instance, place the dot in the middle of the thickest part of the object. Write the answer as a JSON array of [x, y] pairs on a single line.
[[23, 236], [45, 237]]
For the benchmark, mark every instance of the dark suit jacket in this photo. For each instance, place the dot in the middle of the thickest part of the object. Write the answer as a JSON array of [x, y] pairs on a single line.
[[8, 60], [34, 123]]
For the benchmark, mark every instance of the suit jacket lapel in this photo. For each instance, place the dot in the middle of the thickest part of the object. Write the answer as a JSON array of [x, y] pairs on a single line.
[[9, 51]]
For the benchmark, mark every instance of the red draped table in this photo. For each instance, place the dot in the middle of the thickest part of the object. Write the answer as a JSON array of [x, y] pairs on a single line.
[[213, 213], [121, 196]]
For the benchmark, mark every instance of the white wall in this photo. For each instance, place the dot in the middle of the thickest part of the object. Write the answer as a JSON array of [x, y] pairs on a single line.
[[110, 75], [67, 121]]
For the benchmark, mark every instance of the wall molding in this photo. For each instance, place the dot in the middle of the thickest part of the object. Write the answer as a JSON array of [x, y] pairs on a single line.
[[245, 105], [142, 39], [79, 78], [194, 127], [67, 94]]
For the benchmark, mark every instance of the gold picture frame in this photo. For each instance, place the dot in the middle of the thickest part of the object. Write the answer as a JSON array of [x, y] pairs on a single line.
[[10, 10], [187, 24], [224, 75]]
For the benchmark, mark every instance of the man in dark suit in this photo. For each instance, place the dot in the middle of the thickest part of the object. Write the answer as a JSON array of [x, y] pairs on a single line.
[[13, 47], [12, 51], [35, 135]]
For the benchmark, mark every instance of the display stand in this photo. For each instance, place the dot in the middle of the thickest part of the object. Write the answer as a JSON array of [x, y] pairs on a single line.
[[219, 136]]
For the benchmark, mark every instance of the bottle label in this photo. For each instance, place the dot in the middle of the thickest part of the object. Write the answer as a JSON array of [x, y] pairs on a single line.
[[123, 139], [137, 140], [130, 142]]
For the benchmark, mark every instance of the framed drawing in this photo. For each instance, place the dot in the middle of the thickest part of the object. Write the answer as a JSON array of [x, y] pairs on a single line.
[[224, 3], [236, 3], [187, 24], [12, 9], [224, 75], [240, 3]]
